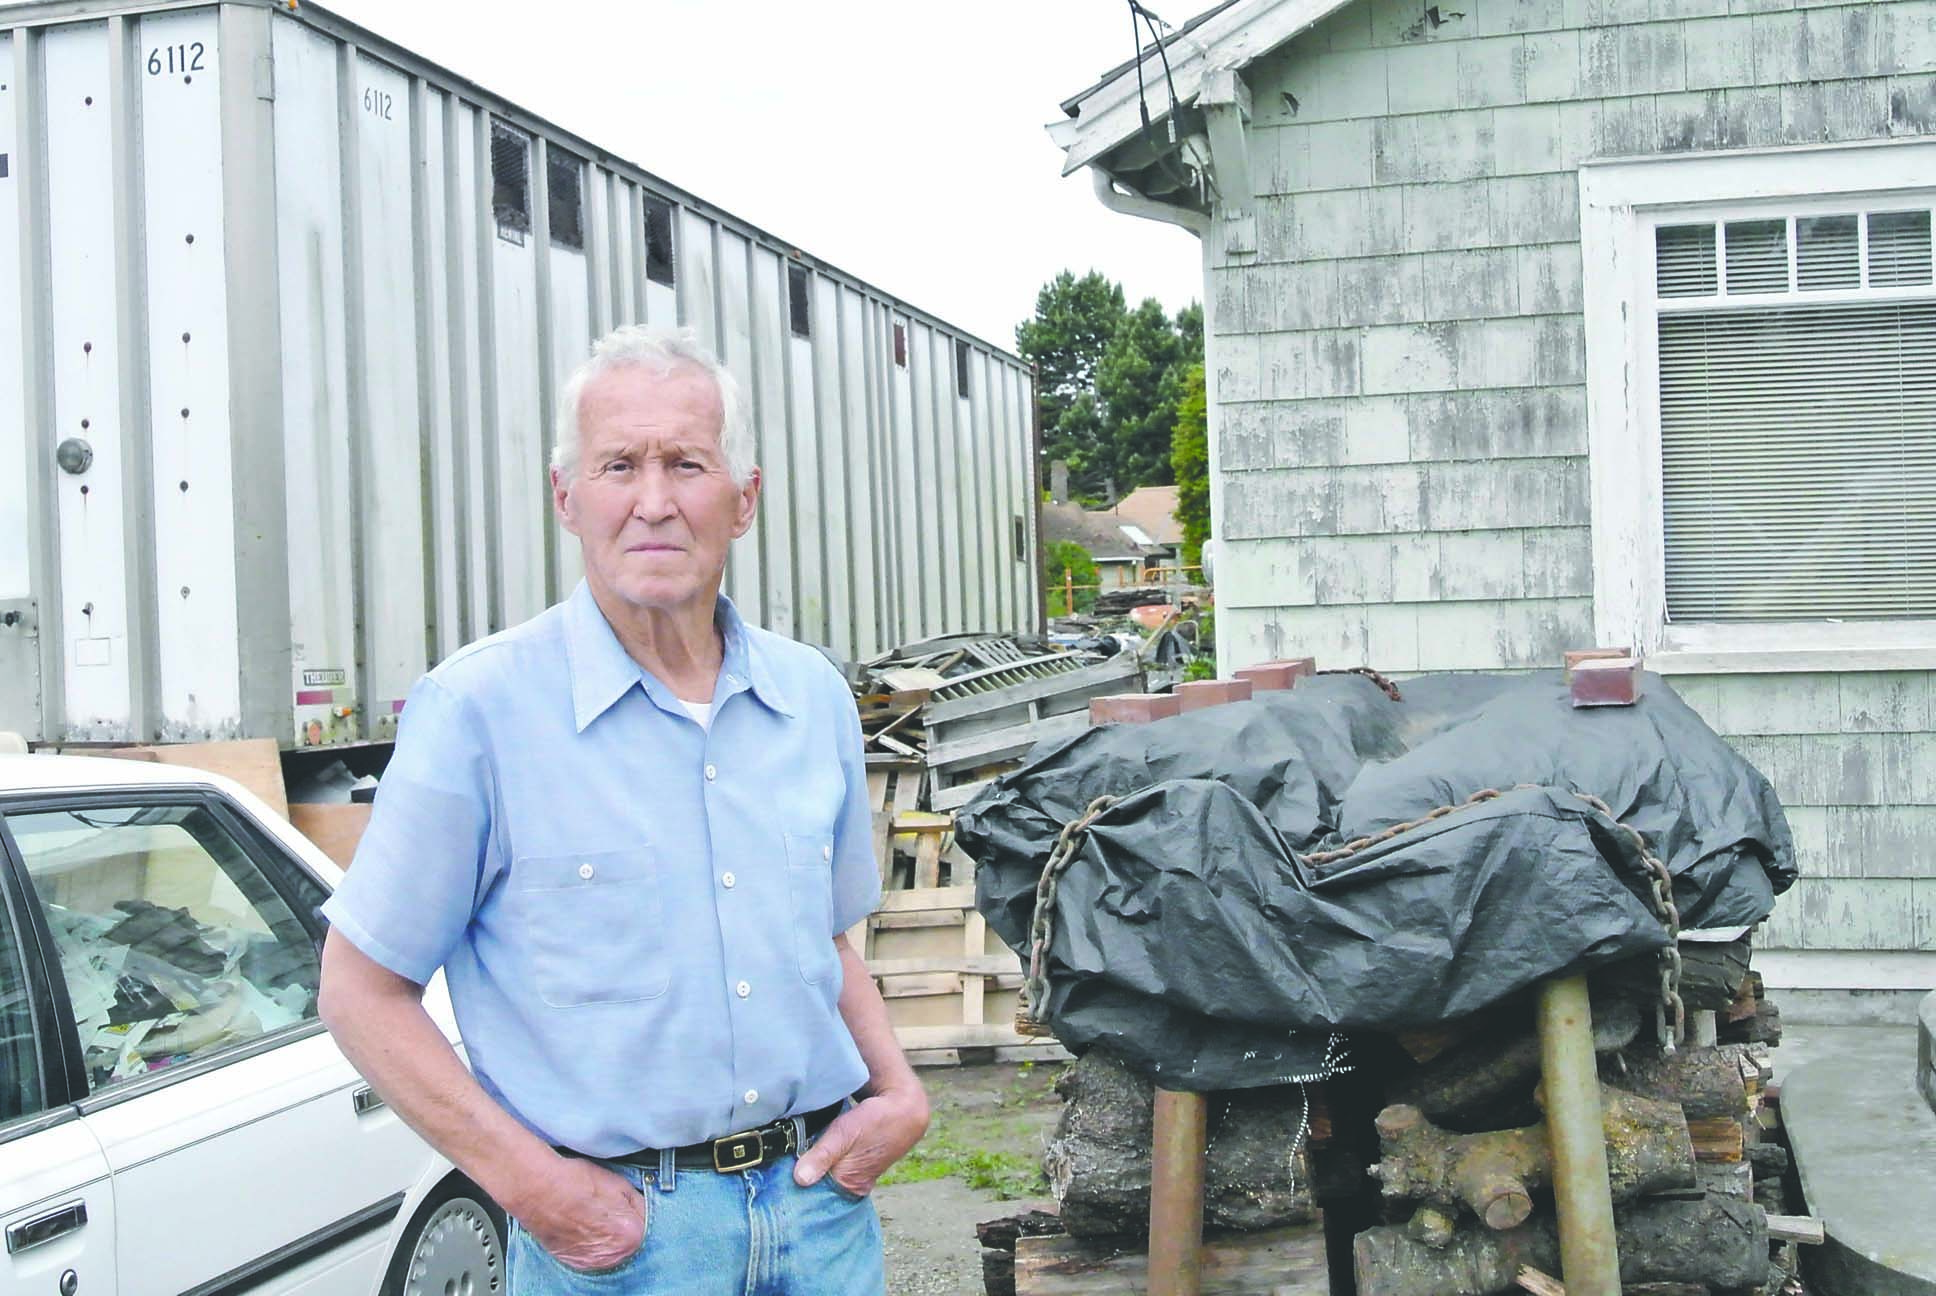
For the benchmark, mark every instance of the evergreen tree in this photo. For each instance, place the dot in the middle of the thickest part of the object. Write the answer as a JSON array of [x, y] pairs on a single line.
[[1108, 382], [1074, 321], [1190, 461]]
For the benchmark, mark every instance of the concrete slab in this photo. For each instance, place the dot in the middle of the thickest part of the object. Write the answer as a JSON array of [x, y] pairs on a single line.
[[1864, 1143]]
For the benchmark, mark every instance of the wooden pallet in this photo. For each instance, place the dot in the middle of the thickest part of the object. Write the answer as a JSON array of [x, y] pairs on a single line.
[[951, 985]]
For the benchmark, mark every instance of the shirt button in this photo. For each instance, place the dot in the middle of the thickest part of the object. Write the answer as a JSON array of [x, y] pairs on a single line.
[[826, 852], [743, 989], [711, 773], [752, 1096], [585, 871], [727, 880]]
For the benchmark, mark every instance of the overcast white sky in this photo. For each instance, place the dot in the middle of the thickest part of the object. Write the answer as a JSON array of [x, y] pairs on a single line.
[[900, 140]]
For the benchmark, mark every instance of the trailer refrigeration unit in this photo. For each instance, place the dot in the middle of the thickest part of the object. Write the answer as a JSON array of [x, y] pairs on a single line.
[[283, 311]]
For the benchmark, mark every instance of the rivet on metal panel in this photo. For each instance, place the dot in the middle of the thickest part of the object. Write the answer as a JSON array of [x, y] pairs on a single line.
[[83, 488], [184, 337], [87, 348], [191, 238], [84, 425], [184, 591], [87, 609], [184, 487], [88, 102], [184, 411]]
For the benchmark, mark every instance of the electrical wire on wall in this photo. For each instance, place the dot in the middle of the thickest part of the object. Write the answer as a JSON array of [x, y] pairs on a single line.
[[1150, 21]]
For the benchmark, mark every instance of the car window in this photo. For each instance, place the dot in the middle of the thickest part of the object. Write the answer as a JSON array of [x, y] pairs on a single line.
[[20, 1068], [173, 943]]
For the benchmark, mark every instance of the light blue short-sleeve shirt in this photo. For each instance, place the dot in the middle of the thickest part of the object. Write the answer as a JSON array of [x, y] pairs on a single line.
[[634, 913]]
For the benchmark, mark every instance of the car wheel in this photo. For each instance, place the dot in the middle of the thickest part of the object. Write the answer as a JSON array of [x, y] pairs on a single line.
[[454, 1246]]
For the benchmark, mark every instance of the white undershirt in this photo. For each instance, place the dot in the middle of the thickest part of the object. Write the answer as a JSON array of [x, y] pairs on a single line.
[[702, 712]]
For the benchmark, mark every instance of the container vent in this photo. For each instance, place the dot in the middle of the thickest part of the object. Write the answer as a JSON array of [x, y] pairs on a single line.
[[565, 199], [900, 344], [510, 181], [799, 314], [658, 241], [961, 369]]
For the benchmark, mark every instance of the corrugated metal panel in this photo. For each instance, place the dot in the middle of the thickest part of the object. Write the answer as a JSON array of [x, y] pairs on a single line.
[[398, 427]]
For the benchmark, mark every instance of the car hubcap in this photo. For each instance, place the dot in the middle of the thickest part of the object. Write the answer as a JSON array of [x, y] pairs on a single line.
[[457, 1253]]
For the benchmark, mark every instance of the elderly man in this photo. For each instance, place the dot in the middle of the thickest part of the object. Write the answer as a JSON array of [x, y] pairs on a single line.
[[631, 831]]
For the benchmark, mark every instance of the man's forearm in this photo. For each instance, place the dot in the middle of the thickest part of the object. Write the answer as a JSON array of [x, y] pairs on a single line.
[[378, 1020], [865, 1013]]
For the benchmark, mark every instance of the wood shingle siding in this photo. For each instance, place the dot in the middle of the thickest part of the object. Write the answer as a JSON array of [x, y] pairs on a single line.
[[1399, 369]]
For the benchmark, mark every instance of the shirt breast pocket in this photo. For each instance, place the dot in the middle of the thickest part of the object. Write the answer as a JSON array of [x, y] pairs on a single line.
[[810, 886], [595, 927]]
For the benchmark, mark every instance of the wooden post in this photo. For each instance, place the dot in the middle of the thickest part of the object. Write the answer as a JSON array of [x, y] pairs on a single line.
[[1180, 1138], [1179, 1143], [1575, 1129], [1177, 1158]]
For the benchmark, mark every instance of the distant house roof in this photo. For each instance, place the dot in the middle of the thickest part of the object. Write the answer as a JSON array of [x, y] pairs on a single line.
[[1152, 511], [1100, 532]]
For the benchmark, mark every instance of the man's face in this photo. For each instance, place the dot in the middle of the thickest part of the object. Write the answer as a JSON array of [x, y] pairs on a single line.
[[652, 502]]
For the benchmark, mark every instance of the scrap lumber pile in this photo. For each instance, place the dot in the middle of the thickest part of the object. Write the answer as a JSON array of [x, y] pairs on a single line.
[[969, 707]]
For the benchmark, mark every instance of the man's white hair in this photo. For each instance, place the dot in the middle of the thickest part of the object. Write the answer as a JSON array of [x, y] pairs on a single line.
[[660, 350]]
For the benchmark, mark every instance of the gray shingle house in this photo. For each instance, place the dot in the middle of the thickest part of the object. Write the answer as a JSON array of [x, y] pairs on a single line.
[[1539, 324]]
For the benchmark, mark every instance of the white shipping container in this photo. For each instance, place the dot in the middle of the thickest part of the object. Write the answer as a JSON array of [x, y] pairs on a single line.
[[283, 313]]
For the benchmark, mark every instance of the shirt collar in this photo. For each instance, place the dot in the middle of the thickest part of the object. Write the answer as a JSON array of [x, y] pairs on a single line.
[[602, 671]]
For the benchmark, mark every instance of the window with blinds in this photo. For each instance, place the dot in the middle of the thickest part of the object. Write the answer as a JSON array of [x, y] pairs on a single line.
[[1797, 365]]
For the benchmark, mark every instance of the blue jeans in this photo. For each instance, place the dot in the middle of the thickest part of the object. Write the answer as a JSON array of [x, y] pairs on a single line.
[[745, 1233]]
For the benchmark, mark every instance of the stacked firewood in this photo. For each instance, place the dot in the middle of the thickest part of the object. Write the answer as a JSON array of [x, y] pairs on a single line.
[[1464, 1173], [1430, 1162]]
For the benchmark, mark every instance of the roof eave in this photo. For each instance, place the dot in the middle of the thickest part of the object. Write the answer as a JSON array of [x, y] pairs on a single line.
[[1111, 111]]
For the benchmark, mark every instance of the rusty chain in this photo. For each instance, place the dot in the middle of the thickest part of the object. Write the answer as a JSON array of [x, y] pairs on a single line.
[[1390, 689], [1035, 990], [1670, 1014]]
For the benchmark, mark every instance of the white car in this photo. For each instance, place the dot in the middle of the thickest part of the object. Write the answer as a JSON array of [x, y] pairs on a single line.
[[173, 1117]]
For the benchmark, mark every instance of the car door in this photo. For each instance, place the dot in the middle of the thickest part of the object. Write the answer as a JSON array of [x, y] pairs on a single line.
[[241, 1143], [56, 1201]]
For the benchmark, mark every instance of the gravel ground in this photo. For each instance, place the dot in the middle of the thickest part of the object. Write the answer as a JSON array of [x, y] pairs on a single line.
[[982, 1114]]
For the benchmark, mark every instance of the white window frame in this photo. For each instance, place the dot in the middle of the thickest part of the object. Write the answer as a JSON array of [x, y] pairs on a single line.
[[1620, 204]]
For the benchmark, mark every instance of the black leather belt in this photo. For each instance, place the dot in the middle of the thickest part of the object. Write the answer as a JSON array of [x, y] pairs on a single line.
[[745, 1150]]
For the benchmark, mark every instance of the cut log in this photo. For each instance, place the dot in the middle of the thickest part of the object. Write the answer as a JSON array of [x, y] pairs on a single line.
[[1796, 1228], [1704, 1081], [1716, 1241], [1540, 1284], [998, 1238], [1277, 1262], [1762, 1028], [1726, 1179], [1718, 1139], [1487, 1082], [1495, 1174], [1001, 1234], [1712, 975], [1257, 1171]]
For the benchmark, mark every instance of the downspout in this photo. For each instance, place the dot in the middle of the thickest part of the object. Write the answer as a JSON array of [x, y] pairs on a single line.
[[1130, 204]]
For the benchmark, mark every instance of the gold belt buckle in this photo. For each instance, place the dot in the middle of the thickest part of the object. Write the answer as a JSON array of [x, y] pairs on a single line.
[[740, 1151]]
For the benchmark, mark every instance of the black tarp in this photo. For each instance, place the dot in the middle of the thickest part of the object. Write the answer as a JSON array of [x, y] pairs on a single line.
[[1192, 937]]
